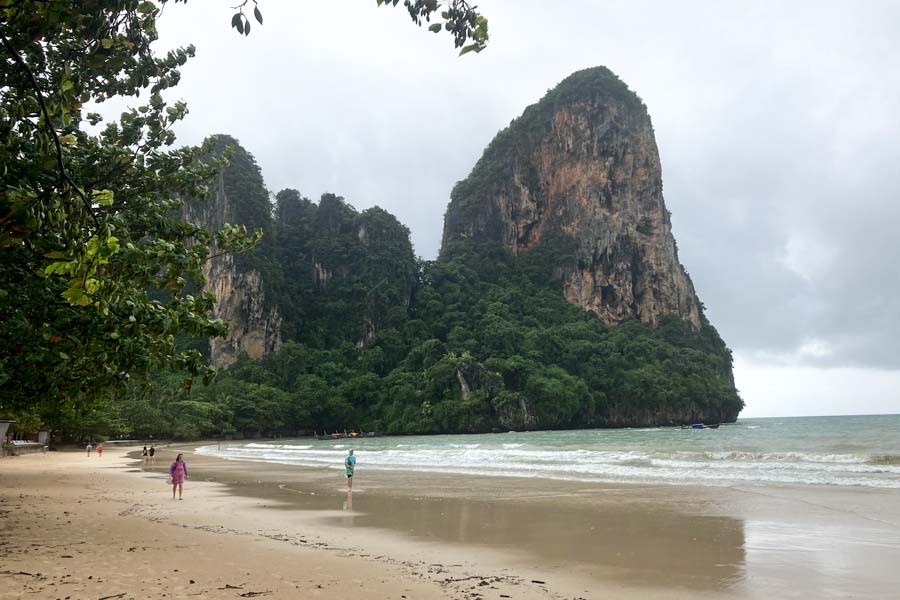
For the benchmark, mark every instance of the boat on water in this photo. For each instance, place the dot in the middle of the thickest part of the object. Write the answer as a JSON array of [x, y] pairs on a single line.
[[338, 435], [701, 426]]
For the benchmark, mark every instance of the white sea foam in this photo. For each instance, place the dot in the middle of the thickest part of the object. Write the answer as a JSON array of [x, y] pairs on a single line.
[[587, 465], [753, 454]]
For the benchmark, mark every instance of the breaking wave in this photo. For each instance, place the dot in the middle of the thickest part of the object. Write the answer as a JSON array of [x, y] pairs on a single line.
[[730, 455]]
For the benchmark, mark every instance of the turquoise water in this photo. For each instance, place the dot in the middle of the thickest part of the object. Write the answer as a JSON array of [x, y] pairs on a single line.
[[840, 451]]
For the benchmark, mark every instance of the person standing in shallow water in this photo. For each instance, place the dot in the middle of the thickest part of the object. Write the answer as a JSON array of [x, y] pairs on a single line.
[[350, 465], [178, 473]]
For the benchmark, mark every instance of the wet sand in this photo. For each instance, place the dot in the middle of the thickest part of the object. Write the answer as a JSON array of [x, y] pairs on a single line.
[[286, 530]]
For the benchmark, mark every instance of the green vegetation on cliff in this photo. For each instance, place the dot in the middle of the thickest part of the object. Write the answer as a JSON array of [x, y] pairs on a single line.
[[478, 342], [343, 275]]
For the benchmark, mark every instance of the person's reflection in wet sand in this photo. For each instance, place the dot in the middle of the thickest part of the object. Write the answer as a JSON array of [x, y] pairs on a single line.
[[348, 503]]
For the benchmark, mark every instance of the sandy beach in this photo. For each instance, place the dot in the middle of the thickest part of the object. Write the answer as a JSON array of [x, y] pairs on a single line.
[[78, 527]]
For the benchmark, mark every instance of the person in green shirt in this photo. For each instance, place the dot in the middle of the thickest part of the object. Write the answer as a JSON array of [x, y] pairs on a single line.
[[349, 465]]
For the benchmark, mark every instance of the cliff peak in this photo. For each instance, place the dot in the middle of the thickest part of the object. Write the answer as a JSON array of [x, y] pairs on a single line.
[[578, 173]]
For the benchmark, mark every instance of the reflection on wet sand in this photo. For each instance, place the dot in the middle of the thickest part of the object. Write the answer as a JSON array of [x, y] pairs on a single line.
[[613, 537], [610, 542]]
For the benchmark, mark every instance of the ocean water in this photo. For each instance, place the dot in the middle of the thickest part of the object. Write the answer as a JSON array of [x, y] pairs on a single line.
[[856, 451]]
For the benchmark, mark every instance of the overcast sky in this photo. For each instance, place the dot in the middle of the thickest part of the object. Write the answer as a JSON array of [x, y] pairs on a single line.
[[777, 124]]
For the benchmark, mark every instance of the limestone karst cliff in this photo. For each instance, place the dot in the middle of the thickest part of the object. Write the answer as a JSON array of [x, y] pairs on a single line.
[[254, 321], [558, 299], [580, 171]]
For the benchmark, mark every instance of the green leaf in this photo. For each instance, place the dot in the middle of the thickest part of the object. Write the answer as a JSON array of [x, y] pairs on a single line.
[[257, 14], [103, 197], [76, 297], [436, 28], [237, 23]]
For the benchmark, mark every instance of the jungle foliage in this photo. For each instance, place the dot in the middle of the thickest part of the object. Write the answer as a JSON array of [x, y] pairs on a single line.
[[477, 342]]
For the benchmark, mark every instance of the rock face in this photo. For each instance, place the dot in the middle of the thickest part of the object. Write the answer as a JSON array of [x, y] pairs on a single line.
[[254, 329], [254, 325], [579, 172]]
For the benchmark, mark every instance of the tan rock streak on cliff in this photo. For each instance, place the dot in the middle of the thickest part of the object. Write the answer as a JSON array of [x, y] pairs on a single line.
[[590, 172], [254, 325]]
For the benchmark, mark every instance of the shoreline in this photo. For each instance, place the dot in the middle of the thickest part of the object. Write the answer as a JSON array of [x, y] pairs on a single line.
[[445, 536]]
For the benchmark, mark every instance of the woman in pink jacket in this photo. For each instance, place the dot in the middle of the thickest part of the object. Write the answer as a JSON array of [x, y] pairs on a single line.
[[178, 473]]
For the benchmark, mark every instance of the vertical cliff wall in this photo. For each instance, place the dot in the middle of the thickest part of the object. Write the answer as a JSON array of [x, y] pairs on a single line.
[[254, 321], [580, 171]]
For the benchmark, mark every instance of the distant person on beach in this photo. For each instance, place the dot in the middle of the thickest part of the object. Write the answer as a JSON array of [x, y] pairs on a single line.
[[153, 453], [145, 455], [100, 450], [178, 473], [350, 465], [89, 448]]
